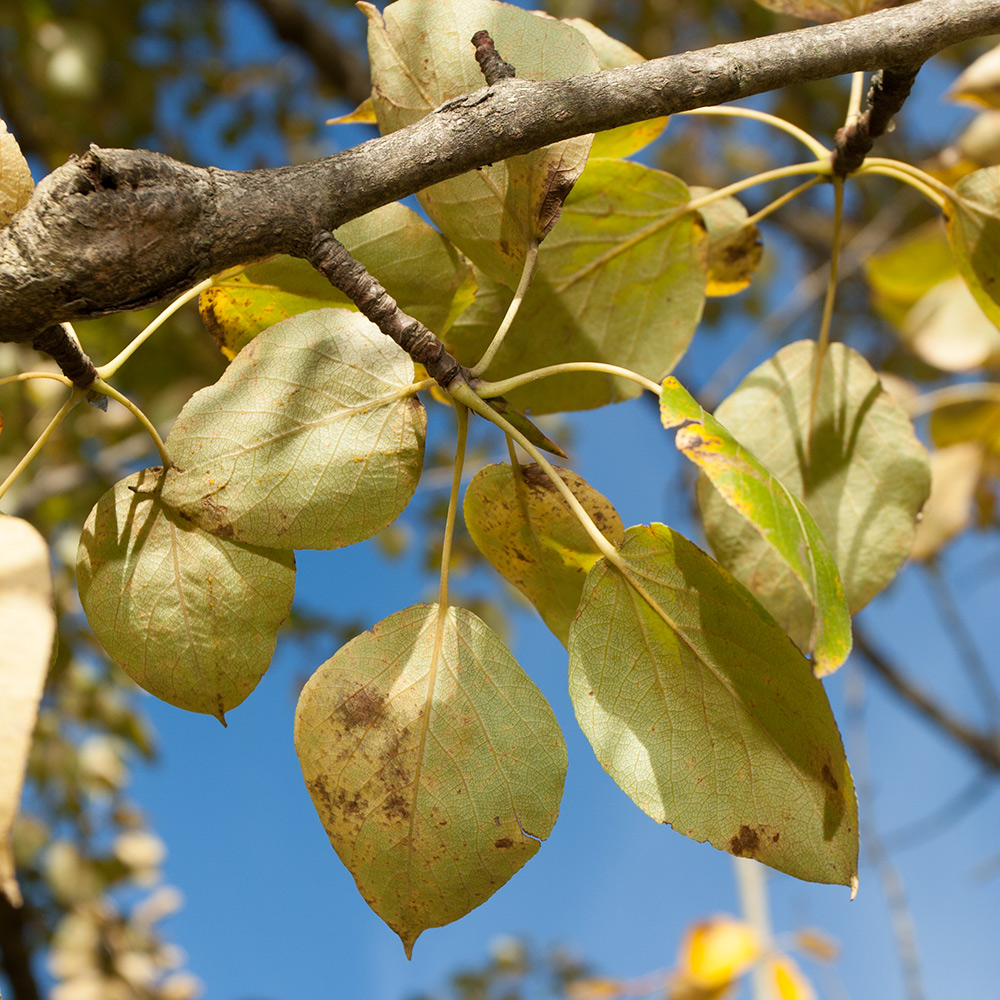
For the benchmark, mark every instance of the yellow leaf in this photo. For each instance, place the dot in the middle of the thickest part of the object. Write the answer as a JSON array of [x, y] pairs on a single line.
[[787, 980], [716, 951], [817, 944], [979, 84], [16, 184], [363, 114]]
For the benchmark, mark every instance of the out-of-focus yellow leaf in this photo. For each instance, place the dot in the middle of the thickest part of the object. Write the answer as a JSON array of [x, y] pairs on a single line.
[[979, 84], [716, 951], [955, 473], [826, 11], [817, 944], [787, 981], [16, 184], [976, 420], [363, 114], [595, 989]]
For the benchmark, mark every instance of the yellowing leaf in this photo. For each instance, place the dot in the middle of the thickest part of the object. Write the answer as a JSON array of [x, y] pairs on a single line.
[[825, 11], [787, 981], [973, 226], [706, 715], [524, 527], [16, 184], [312, 438], [955, 474], [864, 484], [718, 951], [422, 56], [620, 280], [27, 628], [191, 618], [979, 82], [977, 421], [435, 765], [780, 517], [419, 268], [734, 248], [363, 114]]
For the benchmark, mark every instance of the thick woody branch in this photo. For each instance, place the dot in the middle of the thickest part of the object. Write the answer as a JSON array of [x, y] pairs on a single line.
[[115, 230]]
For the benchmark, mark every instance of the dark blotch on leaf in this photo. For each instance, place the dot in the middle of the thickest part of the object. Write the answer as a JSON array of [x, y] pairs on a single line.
[[503, 842], [745, 842]]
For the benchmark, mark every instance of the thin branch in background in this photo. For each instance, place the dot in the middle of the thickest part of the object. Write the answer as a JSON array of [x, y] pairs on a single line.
[[335, 63], [968, 653], [984, 746], [892, 884], [952, 811]]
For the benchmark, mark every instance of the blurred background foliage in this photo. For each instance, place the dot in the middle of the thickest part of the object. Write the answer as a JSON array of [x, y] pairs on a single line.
[[178, 76]]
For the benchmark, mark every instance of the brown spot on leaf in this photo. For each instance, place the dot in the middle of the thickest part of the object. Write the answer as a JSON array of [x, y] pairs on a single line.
[[503, 842], [363, 708], [745, 842]]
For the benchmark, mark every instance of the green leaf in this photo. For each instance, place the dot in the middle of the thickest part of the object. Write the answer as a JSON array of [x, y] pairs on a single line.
[[526, 530], [625, 140], [973, 226], [419, 268], [435, 765], [191, 618], [734, 248], [620, 280], [310, 440], [28, 628], [421, 56], [778, 516], [706, 715], [866, 481]]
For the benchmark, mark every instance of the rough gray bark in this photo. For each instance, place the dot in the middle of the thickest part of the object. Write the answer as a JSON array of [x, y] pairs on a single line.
[[116, 229]]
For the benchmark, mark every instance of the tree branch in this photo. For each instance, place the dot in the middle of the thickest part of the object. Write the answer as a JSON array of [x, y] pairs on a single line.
[[115, 230]]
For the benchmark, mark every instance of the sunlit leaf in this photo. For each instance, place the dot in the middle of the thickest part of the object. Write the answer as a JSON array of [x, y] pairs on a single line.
[[973, 225], [706, 715], [16, 184], [421, 56], [979, 82], [435, 765], [363, 114], [612, 54], [419, 268], [27, 628], [955, 475], [620, 280], [786, 979], [780, 518], [311, 438], [825, 11], [527, 531], [190, 617], [734, 248], [716, 952], [864, 483]]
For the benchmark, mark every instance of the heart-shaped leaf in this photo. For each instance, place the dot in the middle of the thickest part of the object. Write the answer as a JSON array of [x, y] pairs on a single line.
[[434, 763], [526, 530], [421, 56], [780, 518], [863, 475], [190, 617], [312, 438], [706, 715]]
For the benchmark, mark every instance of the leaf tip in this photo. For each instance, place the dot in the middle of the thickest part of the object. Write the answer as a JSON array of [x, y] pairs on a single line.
[[222, 718], [853, 885]]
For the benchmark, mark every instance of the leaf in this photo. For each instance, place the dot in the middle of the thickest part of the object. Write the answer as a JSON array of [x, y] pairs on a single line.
[[706, 715], [625, 140], [777, 515], [621, 280], [191, 618], [435, 765], [979, 82], [973, 225], [311, 439], [529, 535], [363, 114], [421, 56], [419, 268], [28, 628], [825, 11], [955, 475], [715, 953], [734, 248], [16, 184], [867, 479], [975, 420]]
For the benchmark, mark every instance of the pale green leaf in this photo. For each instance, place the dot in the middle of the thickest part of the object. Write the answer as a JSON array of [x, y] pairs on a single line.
[[864, 484], [311, 439], [778, 516], [419, 268], [27, 628], [16, 184], [190, 617], [620, 280], [527, 531], [706, 715], [422, 56], [973, 226], [825, 11], [435, 764]]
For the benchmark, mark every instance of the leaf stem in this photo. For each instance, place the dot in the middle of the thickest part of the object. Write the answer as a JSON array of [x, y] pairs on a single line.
[[462, 416], [527, 272], [465, 394], [810, 142], [109, 369], [27, 376], [99, 385], [487, 390], [820, 168], [823, 341], [953, 395], [75, 396], [930, 187], [854, 101], [778, 202]]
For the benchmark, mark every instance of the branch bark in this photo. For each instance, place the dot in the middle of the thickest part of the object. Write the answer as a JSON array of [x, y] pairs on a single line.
[[115, 229]]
